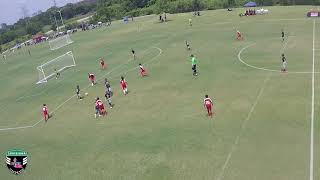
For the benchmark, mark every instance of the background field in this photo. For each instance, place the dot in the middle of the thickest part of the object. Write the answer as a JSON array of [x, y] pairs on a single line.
[[261, 129]]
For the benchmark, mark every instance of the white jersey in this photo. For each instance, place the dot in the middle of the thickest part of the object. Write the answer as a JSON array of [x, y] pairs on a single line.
[[207, 101]]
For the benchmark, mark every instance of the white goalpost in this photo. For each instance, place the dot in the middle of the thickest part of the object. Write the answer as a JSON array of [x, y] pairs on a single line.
[[60, 42], [49, 69]]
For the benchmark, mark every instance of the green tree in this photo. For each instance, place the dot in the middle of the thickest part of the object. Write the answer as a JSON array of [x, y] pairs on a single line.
[[231, 3], [162, 6], [53, 27], [33, 28], [196, 5]]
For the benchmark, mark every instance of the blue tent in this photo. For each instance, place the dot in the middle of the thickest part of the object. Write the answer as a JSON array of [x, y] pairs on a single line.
[[250, 4]]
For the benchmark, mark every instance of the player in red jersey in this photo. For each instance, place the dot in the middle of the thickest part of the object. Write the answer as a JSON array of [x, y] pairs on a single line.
[[45, 112], [99, 107], [239, 36], [143, 71], [91, 78], [123, 85], [102, 64], [207, 103], [96, 107]]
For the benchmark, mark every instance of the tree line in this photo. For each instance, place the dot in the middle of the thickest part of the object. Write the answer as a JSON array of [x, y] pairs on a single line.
[[105, 10], [24, 28]]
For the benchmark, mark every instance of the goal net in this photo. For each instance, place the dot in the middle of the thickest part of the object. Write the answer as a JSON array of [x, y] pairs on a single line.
[[60, 42], [49, 69]]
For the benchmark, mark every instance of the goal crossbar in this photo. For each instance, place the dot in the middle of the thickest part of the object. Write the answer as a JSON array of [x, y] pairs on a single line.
[[44, 76], [64, 41]]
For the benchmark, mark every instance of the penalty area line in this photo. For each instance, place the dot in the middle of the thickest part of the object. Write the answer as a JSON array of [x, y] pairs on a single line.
[[63, 103], [43, 91]]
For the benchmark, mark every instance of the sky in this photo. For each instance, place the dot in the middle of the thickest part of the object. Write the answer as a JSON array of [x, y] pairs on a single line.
[[11, 10]]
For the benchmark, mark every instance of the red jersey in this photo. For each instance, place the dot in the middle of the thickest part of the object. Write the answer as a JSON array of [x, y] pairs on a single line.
[[45, 109], [142, 69], [238, 33], [99, 105], [207, 102], [123, 83]]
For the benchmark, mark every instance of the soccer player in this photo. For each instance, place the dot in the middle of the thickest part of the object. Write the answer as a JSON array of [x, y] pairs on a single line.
[[45, 112], [143, 71], [102, 64], [282, 34], [284, 63], [107, 85], [57, 73], [123, 85], [194, 65], [102, 110], [78, 92], [239, 36], [133, 54], [97, 108], [188, 45], [190, 22], [207, 103], [108, 94], [91, 78]]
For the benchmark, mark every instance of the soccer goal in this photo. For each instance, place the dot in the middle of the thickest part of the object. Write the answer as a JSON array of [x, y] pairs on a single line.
[[50, 68], [60, 42]]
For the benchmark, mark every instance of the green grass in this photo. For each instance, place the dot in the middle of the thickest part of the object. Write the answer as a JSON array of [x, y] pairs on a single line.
[[261, 129]]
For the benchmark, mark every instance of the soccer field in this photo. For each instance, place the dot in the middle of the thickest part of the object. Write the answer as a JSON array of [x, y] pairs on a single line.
[[263, 122]]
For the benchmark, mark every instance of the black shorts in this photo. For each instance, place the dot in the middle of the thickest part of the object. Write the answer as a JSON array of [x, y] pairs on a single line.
[[194, 67], [108, 94]]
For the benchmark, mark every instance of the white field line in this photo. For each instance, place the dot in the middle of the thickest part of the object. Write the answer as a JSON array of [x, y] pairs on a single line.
[[154, 46], [58, 107], [243, 126], [312, 108], [41, 92], [266, 69], [33, 95]]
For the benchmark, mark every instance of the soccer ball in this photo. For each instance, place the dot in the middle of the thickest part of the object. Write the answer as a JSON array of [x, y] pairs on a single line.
[[86, 94]]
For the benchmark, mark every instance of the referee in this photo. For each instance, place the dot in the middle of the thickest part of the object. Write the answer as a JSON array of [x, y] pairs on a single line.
[[194, 65]]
